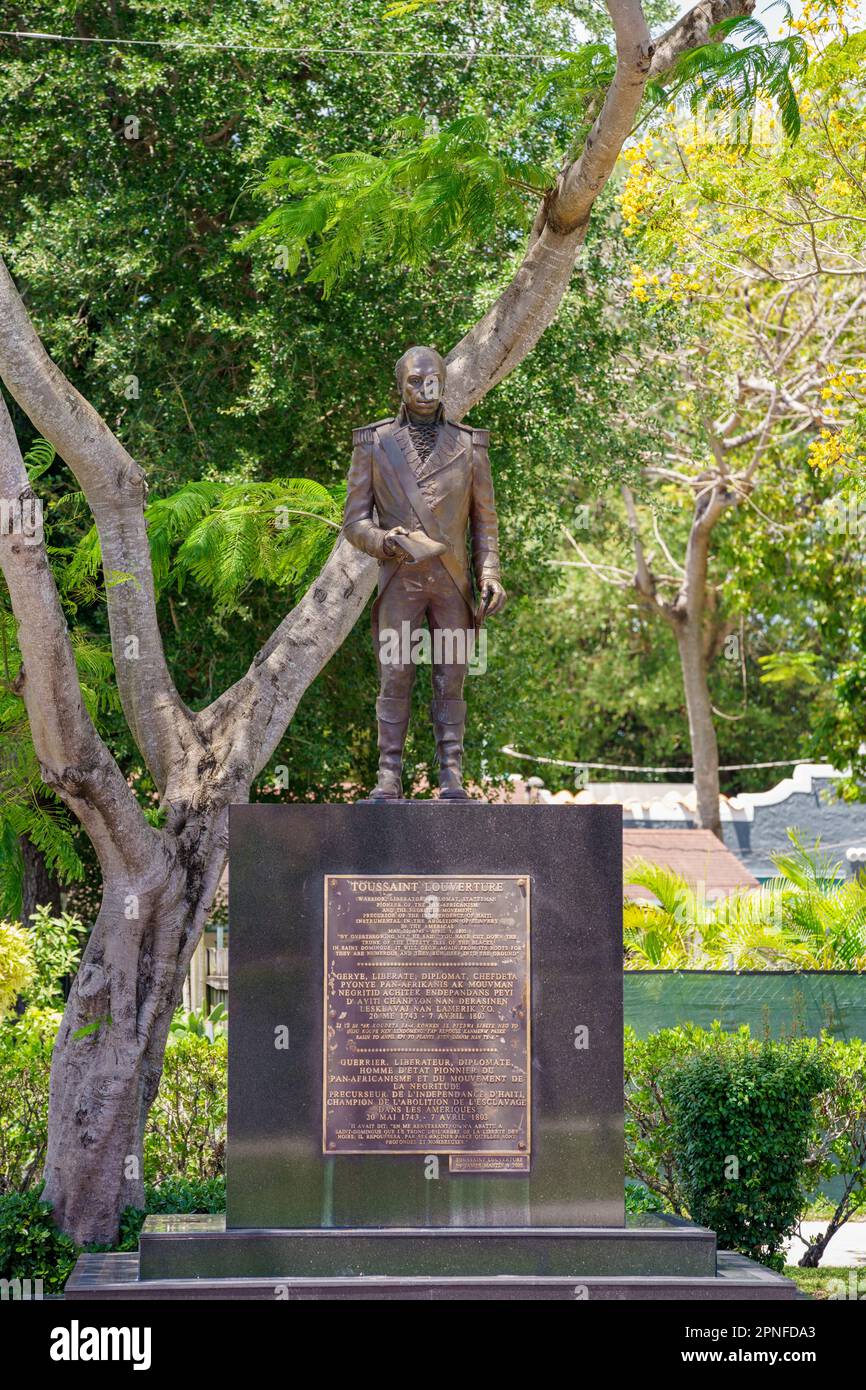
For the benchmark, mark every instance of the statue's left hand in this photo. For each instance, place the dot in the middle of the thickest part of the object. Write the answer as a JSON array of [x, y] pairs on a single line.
[[492, 598]]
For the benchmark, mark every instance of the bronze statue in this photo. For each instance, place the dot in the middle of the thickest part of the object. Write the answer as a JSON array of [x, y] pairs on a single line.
[[416, 484]]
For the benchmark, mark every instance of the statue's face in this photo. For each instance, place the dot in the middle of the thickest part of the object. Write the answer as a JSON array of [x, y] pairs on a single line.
[[422, 384]]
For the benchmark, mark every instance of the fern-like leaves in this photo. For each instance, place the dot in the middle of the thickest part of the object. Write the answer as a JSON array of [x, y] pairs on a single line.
[[226, 536], [429, 190], [735, 71]]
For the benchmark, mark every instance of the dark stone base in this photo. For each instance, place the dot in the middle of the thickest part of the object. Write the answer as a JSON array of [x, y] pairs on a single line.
[[194, 1247], [653, 1257], [276, 1172], [110, 1277]]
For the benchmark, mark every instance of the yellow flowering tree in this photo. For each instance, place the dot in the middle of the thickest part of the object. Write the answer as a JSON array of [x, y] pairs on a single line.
[[17, 966], [752, 235]]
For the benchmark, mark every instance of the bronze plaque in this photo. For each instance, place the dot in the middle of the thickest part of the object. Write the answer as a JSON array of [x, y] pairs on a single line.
[[426, 1015], [488, 1163]]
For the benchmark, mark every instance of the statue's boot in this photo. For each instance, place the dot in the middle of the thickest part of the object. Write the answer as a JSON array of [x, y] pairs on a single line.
[[393, 717], [449, 722]]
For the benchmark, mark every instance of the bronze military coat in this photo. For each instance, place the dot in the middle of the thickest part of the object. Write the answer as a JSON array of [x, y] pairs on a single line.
[[455, 483]]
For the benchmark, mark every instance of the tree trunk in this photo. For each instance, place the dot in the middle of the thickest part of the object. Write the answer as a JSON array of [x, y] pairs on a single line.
[[108, 1056], [686, 618], [811, 1257], [702, 731], [814, 1252], [39, 887]]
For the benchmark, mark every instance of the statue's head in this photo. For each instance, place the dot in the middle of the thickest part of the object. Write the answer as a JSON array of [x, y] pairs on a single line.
[[421, 381]]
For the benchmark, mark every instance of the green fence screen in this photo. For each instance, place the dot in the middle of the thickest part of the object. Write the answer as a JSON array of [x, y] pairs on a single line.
[[777, 1004]]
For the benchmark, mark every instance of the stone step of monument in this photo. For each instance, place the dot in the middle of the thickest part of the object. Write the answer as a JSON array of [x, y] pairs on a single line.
[[108, 1277], [191, 1247]]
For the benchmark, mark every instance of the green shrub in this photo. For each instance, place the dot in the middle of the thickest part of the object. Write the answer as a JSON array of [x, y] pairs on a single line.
[[741, 1120], [186, 1133], [205, 1024], [56, 946], [639, 1199], [25, 1068], [649, 1155], [31, 1247]]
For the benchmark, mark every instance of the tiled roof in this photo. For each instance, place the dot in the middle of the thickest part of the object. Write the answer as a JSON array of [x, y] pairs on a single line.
[[696, 855]]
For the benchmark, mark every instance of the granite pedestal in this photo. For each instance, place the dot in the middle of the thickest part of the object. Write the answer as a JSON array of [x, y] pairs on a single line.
[[303, 1222]]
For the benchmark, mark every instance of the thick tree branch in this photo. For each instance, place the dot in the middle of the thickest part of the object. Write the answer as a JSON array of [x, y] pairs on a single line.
[[582, 181], [693, 29], [115, 489], [73, 759], [512, 326]]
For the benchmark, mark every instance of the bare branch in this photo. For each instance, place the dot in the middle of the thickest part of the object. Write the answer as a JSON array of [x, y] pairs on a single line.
[[674, 564], [644, 579], [115, 489]]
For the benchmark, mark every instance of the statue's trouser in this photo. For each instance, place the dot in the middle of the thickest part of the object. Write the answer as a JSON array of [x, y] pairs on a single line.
[[417, 593]]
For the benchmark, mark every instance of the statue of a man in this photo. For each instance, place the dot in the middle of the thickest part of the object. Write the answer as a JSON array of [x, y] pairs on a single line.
[[417, 484]]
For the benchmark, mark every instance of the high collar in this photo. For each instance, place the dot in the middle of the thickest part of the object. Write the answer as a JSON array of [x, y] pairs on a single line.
[[437, 419]]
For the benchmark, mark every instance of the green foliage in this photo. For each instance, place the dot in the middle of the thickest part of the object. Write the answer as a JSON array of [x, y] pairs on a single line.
[[56, 945], [25, 1065], [742, 1116], [424, 191], [841, 728], [17, 966], [184, 1145], [185, 1138], [639, 1200], [186, 1132], [825, 917], [832, 1159], [837, 1158], [732, 77], [199, 1023], [433, 190], [228, 536], [649, 1158], [31, 1247], [789, 667], [27, 807]]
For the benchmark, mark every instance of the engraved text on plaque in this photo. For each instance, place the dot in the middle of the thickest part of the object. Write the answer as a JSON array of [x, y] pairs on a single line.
[[427, 1015]]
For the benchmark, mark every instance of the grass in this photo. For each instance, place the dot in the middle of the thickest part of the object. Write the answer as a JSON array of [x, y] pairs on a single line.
[[828, 1280]]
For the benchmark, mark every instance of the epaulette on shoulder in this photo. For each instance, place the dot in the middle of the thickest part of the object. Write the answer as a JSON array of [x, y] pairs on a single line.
[[479, 437], [364, 435]]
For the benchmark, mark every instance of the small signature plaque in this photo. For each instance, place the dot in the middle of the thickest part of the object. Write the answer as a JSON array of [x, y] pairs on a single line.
[[427, 1019], [488, 1163]]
